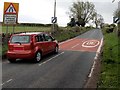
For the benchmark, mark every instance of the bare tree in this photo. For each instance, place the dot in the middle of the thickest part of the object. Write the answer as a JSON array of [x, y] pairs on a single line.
[[98, 19], [82, 11]]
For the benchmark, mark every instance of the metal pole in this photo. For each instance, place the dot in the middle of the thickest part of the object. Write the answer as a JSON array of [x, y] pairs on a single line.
[[13, 29], [118, 25], [55, 9], [24, 27], [118, 9], [54, 15], [7, 34], [113, 1]]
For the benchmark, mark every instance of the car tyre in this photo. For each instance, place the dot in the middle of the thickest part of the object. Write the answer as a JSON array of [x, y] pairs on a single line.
[[56, 50], [38, 57], [12, 60]]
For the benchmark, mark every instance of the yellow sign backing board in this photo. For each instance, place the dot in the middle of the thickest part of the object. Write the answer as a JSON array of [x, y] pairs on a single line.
[[10, 16]]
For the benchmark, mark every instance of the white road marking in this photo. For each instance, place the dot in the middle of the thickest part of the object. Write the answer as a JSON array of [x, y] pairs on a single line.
[[94, 64], [92, 69], [91, 73], [2, 84], [9, 80], [96, 57], [90, 42], [6, 82], [75, 45], [67, 41], [51, 58], [99, 48]]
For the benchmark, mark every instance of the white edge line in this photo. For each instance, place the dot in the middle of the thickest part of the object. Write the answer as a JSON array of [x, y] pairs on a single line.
[[92, 69], [9, 80], [98, 51], [99, 48], [91, 73], [2, 84], [6, 82], [96, 56], [51, 58]]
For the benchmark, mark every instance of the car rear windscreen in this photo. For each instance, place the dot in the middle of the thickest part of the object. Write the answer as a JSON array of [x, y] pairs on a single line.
[[20, 39]]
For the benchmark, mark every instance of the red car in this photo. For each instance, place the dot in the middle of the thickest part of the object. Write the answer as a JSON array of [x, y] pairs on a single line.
[[31, 46]]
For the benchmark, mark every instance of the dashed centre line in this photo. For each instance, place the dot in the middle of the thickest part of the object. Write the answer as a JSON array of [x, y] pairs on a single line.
[[75, 46]]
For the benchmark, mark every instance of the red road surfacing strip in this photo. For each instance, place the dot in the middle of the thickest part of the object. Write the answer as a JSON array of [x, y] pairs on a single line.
[[76, 45]]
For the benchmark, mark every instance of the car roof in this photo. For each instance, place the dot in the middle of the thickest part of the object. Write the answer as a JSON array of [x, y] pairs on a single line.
[[30, 33]]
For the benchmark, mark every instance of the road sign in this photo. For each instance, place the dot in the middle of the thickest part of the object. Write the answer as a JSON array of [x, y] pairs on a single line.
[[10, 10], [10, 19], [54, 20], [10, 16], [116, 19]]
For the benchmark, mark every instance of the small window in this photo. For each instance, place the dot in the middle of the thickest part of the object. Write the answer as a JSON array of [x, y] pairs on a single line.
[[36, 38], [39, 38], [47, 37]]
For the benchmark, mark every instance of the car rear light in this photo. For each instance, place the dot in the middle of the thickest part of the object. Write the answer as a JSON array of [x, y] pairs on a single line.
[[8, 42], [10, 47]]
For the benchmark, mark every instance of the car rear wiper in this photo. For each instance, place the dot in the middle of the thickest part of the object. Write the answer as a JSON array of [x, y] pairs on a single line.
[[18, 42]]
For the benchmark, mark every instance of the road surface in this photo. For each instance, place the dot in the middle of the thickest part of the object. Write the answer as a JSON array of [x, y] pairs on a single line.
[[67, 69]]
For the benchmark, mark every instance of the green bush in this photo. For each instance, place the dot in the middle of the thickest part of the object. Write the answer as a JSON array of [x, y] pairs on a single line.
[[110, 77]]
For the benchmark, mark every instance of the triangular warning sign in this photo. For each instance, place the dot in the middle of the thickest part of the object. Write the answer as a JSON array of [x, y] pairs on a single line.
[[10, 9]]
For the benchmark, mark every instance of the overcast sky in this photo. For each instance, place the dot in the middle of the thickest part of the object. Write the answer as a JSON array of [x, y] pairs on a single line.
[[41, 11]]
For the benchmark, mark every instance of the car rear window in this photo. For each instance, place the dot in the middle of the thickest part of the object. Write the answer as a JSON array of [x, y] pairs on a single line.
[[20, 39]]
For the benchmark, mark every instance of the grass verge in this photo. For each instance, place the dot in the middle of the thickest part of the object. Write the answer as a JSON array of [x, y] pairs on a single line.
[[110, 76], [25, 29]]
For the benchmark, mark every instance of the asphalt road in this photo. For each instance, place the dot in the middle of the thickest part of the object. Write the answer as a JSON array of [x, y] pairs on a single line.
[[67, 69]]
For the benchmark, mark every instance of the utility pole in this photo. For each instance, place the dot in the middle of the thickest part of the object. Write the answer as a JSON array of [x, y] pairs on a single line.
[[113, 1], [118, 22], [55, 9], [119, 5], [54, 18]]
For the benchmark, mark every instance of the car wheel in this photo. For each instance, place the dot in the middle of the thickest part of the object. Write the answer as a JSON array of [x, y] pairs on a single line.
[[38, 57], [56, 49], [12, 60]]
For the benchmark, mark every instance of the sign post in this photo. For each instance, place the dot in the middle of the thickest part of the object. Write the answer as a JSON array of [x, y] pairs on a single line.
[[116, 19], [118, 27], [10, 15], [54, 19]]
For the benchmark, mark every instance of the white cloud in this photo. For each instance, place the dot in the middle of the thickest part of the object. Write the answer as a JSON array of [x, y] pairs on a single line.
[[39, 11]]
